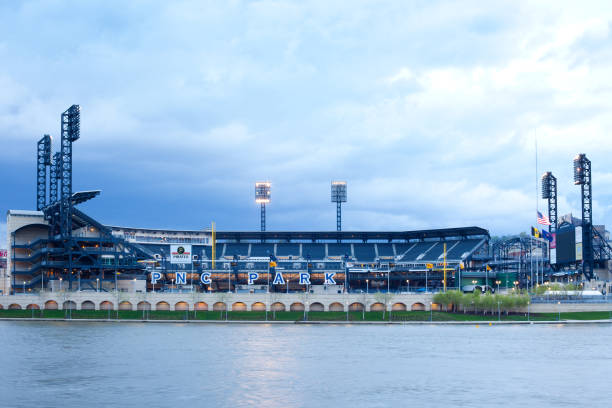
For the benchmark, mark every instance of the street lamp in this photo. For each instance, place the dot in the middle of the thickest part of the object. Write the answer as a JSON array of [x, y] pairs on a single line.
[[367, 287], [498, 282], [97, 284], [430, 311], [60, 284], [408, 284], [559, 310]]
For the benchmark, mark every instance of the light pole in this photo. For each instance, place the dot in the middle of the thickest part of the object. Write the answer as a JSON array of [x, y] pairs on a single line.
[[97, 284], [498, 282], [347, 310], [134, 286], [528, 317], [408, 284], [430, 311], [559, 310], [60, 284], [498, 311], [367, 287]]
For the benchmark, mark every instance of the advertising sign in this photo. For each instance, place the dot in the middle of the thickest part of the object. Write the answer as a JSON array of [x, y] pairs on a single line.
[[180, 254], [579, 243], [3, 253]]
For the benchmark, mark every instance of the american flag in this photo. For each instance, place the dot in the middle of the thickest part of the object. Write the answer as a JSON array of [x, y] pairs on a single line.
[[542, 219]]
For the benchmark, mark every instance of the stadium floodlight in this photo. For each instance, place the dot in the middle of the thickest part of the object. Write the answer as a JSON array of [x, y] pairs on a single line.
[[549, 192], [262, 197], [582, 177], [579, 167], [546, 185], [338, 196]]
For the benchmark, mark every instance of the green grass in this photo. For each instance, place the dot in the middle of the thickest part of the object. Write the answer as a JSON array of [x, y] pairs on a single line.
[[398, 316]]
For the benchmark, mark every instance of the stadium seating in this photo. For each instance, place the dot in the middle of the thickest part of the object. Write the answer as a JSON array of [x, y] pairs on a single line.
[[288, 249], [365, 252], [461, 248], [384, 249], [316, 251], [262, 249], [338, 249], [232, 249]]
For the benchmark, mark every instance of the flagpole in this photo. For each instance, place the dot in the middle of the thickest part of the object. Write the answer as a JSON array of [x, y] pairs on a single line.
[[535, 138]]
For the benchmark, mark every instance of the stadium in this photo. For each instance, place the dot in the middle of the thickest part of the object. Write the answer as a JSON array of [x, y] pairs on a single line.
[[57, 248]]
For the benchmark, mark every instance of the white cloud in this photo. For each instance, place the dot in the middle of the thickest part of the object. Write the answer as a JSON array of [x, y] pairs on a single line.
[[429, 111]]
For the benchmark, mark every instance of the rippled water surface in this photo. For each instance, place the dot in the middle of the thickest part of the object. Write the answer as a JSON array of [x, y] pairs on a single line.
[[47, 364]]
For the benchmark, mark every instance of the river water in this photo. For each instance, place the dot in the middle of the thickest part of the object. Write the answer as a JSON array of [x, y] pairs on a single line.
[[79, 364]]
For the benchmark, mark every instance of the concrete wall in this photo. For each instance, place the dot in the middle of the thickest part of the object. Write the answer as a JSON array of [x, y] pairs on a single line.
[[257, 301]]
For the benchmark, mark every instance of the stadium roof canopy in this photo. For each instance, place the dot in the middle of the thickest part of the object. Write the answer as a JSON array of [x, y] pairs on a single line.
[[464, 232]]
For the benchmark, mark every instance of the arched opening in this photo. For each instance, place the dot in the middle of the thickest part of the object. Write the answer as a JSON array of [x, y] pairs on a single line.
[[88, 305], [201, 306], [277, 307], [398, 307], [106, 305], [377, 307], [14, 306], [239, 307], [1, 307], [143, 306], [316, 307], [336, 307], [69, 305], [436, 307], [296, 307], [356, 307], [181, 306], [258, 307], [418, 306], [162, 306], [125, 305], [50, 305], [32, 306], [219, 306]]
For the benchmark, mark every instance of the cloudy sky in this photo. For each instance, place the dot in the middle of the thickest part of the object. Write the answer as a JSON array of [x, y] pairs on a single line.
[[428, 109]]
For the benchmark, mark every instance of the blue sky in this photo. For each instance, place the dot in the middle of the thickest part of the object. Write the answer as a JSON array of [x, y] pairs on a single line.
[[428, 109]]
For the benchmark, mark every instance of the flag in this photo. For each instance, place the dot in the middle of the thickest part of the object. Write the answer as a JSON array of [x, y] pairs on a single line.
[[542, 219], [488, 268], [547, 235], [535, 232], [429, 266], [272, 261]]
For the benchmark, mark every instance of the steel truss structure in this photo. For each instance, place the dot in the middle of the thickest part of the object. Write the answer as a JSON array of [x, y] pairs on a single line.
[[78, 248]]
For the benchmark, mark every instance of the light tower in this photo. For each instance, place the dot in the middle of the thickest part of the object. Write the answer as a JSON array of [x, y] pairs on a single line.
[[262, 197], [549, 192], [43, 161], [582, 177], [338, 196]]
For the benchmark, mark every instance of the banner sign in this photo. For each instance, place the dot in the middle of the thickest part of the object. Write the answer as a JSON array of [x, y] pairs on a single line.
[[3, 253], [180, 254]]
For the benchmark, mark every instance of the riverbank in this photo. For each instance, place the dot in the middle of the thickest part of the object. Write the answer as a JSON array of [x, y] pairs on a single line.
[[402, 317]]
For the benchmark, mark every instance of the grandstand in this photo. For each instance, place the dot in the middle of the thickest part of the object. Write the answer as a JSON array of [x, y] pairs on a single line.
[[59, 247]]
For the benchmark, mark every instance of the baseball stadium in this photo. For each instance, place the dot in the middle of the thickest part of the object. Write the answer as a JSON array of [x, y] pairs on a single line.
[[58, 249]]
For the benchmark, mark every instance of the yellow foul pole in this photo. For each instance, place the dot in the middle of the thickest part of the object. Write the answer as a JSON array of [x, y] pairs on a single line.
[[214, 245], [445, 266]]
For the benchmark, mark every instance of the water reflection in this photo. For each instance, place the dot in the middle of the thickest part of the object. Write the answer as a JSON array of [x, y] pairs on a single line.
[[162, 365]]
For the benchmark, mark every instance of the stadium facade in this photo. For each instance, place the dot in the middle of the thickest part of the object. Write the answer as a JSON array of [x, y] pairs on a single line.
[[57, 247]]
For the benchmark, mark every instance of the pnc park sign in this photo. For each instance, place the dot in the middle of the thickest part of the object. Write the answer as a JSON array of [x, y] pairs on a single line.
[[181, 278]]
